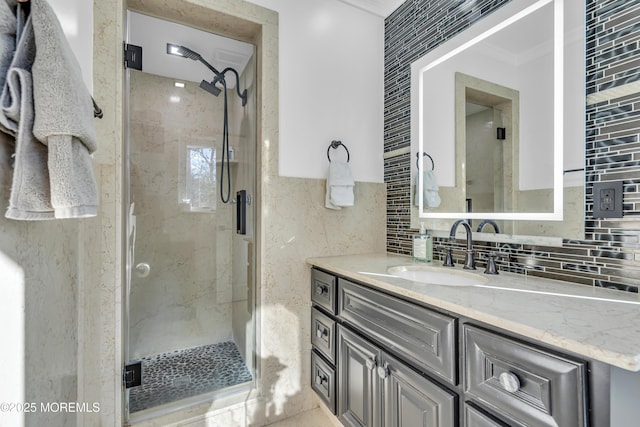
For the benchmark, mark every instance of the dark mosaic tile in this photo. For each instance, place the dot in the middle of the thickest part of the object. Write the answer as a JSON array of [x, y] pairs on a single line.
[[180, 374], [612, 136]]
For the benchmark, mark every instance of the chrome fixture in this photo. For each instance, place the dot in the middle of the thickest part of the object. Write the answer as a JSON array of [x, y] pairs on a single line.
[[496, 228], [469, 259]]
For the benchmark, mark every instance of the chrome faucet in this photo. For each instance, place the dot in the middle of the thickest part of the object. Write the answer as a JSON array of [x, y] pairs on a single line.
[[469, 259]]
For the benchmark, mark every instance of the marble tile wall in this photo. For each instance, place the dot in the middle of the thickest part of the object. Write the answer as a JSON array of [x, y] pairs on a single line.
[[608, 254], [189, 286], [39, 277]]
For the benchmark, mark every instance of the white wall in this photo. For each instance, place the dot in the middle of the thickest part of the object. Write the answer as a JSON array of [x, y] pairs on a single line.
[[331, 87], [76, 18], [331, 81]]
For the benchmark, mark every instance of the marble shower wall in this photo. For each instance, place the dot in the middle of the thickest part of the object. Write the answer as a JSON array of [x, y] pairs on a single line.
[[185, 301]]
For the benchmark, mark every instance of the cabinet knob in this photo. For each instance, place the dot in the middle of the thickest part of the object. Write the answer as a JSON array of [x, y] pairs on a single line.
[[320, 380], [371, 363], [321, 290], [509, 381], [383, 371], [322, 332]]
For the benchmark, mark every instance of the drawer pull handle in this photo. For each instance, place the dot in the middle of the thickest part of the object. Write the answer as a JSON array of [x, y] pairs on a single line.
[[322, 332], [321, 290], [383, 371], [371, 363], [509, 381], [320, 380]]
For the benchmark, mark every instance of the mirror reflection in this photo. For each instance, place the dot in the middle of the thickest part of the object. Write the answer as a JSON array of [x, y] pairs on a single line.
[[490, 114]]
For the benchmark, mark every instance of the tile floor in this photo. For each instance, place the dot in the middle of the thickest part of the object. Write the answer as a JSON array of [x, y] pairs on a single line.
[[313, 418], [169, 377]]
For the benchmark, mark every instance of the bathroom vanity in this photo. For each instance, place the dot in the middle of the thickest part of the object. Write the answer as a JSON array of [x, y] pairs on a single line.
[[394, 349]]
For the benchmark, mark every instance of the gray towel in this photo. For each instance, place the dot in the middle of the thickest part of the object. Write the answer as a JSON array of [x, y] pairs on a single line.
[[29, 199], [7, 39], [44, 97], [63, 117]]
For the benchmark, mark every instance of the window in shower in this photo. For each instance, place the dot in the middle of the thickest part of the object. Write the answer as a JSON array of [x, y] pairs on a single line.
[[199, 178], [191, 293]]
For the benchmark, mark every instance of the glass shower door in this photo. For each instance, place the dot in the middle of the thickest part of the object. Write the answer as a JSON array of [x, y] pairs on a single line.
[[191, 275]]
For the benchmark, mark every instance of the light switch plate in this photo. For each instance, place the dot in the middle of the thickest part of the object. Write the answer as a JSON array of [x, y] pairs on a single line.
[[607, 199]]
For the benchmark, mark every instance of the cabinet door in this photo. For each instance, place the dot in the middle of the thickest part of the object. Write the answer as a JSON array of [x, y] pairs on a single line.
[[358, 383], [411, 400]]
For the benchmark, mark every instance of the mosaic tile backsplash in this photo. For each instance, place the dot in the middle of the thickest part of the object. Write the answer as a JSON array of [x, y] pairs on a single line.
[[607, 255]]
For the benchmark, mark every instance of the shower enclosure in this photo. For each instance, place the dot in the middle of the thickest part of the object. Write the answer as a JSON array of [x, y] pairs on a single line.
[[189, 330]]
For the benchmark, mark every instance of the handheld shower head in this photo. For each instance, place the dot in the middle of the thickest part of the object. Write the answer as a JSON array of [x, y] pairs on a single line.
[[174, 49]]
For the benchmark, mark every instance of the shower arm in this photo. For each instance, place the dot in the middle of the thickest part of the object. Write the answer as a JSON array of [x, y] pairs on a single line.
[[185, 52], [242, 95]]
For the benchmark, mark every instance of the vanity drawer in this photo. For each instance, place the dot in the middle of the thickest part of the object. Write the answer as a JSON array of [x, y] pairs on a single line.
[[323, 290], [474, 417], [521, 382], [424, 337], [323, 381], [323, 335]]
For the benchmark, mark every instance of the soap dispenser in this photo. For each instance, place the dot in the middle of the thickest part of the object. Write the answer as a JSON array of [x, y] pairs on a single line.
[[422, 246]]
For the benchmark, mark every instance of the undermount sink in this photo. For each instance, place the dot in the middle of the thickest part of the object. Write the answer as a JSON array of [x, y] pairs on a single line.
[[436, 275]]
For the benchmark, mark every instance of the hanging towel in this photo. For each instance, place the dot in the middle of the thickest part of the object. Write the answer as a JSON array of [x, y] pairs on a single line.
[[63, 117], [8, 24], [44, 98], [339, 186], [29, 199], [430, 196]]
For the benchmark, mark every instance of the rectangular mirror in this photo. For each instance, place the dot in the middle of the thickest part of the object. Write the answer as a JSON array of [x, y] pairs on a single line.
[[490, 119]]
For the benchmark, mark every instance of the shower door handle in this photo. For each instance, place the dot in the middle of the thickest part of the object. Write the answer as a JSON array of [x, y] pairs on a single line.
[[241, 212]]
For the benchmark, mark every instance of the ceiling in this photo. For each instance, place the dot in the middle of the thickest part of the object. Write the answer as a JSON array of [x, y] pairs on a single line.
[[382, 8], [153, 34]]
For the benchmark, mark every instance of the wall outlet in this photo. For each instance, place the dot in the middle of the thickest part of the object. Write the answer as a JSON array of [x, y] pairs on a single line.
[[607, 199]]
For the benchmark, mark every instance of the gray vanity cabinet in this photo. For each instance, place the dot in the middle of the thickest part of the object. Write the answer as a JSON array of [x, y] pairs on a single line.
[[376, 389], [379, 360], [521, 383], [359, 389], [411, 400]]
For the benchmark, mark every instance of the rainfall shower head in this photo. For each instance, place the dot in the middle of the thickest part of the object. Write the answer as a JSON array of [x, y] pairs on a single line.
[[185, 52], [210, 87]]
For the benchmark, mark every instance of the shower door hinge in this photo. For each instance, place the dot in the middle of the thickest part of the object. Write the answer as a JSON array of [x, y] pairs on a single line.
[[132, 375], [132, 56]]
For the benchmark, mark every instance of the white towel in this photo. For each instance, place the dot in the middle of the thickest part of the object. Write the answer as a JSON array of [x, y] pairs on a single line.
[[340, 185], [430, 196]]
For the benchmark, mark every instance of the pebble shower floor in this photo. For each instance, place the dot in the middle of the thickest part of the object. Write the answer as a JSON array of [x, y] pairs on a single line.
[[169, 377]]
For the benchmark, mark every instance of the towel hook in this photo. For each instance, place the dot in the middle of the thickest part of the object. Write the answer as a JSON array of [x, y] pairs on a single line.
[[335, 144], [433, 165]]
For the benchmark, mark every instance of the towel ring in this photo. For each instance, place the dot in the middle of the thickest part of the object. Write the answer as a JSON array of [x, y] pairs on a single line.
[[335, 144], [433, 165]]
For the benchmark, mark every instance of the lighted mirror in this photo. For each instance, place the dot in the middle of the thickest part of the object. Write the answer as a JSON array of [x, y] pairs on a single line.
[[491, 117]]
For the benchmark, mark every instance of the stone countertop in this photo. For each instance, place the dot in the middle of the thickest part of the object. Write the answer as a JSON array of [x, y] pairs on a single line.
[[596, 323]]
